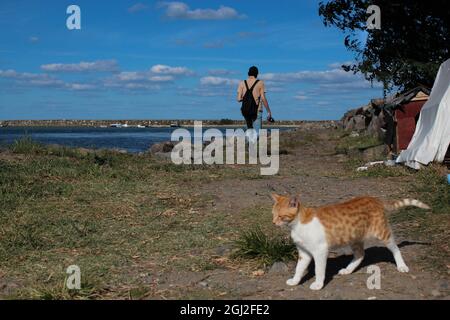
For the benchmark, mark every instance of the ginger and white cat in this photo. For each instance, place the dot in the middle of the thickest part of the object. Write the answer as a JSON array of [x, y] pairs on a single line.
[[316, 230]]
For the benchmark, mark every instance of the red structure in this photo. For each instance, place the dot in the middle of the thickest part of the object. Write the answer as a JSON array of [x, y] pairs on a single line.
[[407, 108], [407, 116]]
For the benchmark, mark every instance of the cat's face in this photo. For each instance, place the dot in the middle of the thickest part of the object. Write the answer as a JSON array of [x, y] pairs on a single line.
[[285, 209]]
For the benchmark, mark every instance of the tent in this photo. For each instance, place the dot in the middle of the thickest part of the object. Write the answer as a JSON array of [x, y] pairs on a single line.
[[432, 136]]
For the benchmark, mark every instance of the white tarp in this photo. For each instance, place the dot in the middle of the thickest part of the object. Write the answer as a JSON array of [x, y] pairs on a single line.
[[432, 135]]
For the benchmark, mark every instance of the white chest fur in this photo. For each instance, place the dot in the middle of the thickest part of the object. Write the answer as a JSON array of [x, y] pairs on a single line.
[[310, 235]]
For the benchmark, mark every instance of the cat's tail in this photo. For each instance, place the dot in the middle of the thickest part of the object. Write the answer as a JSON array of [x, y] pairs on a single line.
[[395, 205]]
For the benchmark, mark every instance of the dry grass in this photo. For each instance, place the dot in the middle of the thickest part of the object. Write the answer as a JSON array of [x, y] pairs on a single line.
[[103, 211]]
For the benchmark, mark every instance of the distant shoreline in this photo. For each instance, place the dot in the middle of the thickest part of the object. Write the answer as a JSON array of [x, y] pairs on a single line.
[[153, 123]]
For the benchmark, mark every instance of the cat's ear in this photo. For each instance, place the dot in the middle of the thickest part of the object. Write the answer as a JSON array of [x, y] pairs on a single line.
[[294, 202], [275, 197]]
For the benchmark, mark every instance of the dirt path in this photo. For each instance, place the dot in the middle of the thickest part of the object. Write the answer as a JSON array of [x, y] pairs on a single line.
[[319, 177]]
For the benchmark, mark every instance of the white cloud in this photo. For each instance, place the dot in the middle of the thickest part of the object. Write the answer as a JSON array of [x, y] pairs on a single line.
[[161, 78], [80, 86], [328, 81], [358, 84], [218, 81], [94, 66], [333, 75], [49, 82], [130, 76], [211, 86], [33, 39], [137, 7], [13, 74], [150, 79], [136, 86], [163, 69], [27, 79], [180, 10]]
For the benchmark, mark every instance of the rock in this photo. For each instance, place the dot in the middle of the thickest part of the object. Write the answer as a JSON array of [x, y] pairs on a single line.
[[375, 153], [348, 115], [162, 147], [156, 148], [279, 267], [350, 125], [360, 122], [203, 284], [374, 127]]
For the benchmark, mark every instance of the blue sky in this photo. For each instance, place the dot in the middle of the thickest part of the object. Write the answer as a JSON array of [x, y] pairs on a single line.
[[167, 60]]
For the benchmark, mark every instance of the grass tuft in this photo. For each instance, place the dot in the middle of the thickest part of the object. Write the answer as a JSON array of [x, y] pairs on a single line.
[[26, 145], [255, 244]]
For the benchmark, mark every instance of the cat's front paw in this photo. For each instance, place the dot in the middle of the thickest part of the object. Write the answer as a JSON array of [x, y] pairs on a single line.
[[403, 268], [316, 285], [292, 282]]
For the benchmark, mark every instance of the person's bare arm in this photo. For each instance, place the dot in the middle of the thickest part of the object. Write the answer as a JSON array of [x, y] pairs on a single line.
[[264, 100], [240, 93]]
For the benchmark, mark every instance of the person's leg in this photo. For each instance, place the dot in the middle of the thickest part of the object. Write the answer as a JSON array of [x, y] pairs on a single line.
[[257, 124], [253, 133]]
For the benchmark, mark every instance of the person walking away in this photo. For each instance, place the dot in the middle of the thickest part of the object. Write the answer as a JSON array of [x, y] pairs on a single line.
[[251, 93]]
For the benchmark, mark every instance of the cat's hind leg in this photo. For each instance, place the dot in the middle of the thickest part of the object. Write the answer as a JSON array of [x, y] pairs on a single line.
[[304, 259], [358, 256], [392, 246]]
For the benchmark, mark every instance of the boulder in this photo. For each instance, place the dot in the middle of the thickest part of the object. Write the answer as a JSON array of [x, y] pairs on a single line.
[[350, 125], [374, 127], [162, 147], [360, 122]]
